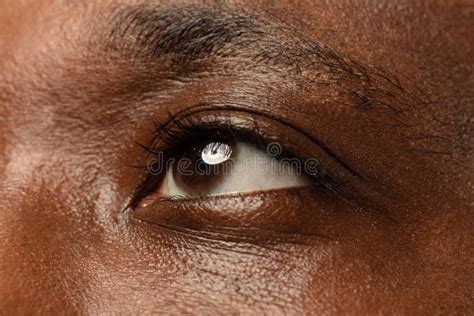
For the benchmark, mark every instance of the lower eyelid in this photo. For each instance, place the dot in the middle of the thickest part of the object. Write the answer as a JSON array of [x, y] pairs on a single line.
[[308, 215], [280, 211]]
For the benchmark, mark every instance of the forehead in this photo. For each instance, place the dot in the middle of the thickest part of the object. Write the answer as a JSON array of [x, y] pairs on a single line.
[[352, 17], [378, 30]]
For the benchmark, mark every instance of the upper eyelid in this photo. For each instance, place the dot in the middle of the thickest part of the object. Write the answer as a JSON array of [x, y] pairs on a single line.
[[195, 110]]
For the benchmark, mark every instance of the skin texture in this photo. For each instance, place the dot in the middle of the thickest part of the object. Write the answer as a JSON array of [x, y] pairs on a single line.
[[392, 126]]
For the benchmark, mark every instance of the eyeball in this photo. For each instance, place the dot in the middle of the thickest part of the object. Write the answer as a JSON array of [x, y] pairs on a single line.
[[215, 168]]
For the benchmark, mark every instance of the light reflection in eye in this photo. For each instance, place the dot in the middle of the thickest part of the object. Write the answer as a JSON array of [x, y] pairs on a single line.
[[216, 153]]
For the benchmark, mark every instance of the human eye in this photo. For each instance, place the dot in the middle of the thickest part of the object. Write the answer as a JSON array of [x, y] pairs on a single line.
[[204, 166], [212, 167]]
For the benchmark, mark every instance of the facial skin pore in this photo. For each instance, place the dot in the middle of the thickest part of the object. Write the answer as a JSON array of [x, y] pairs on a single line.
[[382, 92]]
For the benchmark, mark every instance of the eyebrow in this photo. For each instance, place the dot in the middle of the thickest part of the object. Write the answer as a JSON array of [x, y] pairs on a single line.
[[190, 33], [187, 33]]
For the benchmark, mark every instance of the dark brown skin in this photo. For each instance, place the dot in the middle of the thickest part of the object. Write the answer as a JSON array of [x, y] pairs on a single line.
[[388, 91]]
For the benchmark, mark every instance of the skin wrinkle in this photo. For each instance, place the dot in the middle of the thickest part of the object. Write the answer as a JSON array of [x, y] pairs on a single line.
[[72, 109], [275, 303]]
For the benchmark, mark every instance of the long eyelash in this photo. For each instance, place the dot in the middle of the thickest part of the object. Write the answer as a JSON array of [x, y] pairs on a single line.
[[188, 129]]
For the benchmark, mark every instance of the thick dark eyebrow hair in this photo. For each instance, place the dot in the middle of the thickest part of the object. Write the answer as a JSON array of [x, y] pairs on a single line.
[[189, 33]]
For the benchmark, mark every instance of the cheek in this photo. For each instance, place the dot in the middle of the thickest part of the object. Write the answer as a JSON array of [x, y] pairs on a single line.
[[177, 269], [55, 220], [42, 265], [218, 246]]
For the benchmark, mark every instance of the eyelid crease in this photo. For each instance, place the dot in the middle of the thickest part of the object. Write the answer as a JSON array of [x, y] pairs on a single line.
[[205, 212], [244, 194], [233, 236]]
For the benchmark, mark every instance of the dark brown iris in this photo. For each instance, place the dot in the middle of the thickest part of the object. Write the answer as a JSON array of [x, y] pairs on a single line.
[[203, 167]]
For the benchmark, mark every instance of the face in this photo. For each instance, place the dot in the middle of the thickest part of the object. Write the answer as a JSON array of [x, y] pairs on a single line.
[[253, 156]]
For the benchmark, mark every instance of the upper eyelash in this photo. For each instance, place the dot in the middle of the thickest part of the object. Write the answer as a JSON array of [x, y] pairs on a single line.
[[188, 127], [220, 127], [171, 137]]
